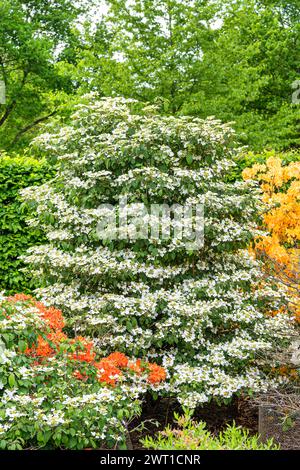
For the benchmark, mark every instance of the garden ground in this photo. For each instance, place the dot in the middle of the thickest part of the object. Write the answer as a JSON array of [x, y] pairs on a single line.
[[156, 415]]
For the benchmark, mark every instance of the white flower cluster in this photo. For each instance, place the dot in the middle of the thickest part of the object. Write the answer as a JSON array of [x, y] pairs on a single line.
[[23, 318], [93, 411]]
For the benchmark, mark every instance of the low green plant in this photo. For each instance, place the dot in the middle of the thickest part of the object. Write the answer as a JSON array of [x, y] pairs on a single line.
[[192, 435]]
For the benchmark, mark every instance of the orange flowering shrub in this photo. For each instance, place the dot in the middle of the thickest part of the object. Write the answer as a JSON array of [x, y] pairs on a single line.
[[49, 344], [281, 189], [280, 186], [55, 391]]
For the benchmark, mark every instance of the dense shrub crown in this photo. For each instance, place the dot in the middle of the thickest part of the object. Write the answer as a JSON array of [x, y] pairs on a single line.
[[202, 313]]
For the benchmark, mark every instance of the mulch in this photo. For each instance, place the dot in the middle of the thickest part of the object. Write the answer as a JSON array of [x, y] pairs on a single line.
[[156, 415]]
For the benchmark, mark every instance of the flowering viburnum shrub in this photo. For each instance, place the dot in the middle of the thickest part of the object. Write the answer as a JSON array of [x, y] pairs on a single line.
[[202, 314], [55, 391]]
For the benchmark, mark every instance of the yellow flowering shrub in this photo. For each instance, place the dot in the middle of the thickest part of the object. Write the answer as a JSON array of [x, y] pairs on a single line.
[[280, 185]]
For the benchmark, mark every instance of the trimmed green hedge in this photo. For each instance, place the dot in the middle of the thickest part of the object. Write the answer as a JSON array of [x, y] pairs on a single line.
[[15, 236]]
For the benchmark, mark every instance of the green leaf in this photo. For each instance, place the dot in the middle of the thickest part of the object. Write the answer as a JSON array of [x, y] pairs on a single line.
[[22, 345], [189, 159], [11, 380]]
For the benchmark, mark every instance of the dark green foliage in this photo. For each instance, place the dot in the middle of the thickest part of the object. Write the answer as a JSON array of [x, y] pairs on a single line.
[[17, 173]]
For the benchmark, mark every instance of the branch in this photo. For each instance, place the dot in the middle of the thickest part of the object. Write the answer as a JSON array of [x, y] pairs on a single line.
[[30, 126], [7, 112]]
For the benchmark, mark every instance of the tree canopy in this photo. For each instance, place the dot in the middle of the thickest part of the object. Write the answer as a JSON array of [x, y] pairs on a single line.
[[33, 34]]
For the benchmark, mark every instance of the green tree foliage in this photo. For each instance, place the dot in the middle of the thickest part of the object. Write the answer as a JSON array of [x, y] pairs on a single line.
[[253, 64], [236, 60], [149, 49], [33, 34]]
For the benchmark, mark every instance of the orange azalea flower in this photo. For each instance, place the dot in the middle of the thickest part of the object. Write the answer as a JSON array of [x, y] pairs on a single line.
[[78, 375], [87, 354], [135, 366], [105, 364], [108, 372], [17, 297], [119, 359], [51, 315], [156, 374], [42, 349], [57, 337]]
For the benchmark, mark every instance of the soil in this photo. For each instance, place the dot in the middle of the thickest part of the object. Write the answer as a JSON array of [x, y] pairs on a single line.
[[157, 414]]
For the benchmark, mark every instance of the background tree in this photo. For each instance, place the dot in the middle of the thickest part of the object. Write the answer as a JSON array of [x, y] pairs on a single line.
[[153, 50], [33, 35], [236, 60], [253, 63]]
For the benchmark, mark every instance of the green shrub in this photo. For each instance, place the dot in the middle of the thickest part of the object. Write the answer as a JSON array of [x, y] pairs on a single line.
[[248, 159], [190, 435], [15, 236]]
